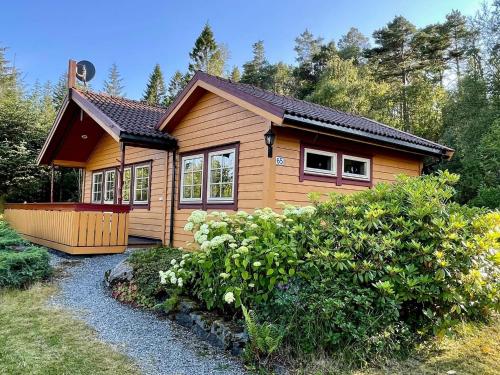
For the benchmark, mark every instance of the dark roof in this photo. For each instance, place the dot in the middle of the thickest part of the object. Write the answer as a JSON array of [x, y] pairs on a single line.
[[132, 117], [310, 114]]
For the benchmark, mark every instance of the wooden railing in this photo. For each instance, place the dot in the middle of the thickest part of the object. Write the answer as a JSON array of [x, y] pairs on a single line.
[[75, 228]]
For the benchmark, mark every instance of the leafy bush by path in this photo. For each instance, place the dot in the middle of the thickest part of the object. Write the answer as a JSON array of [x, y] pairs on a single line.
[[21, 268], [370, 270], [8, 236], [145, 289]]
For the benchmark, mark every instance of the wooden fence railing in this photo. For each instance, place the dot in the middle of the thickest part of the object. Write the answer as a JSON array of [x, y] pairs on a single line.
[[72, 228]]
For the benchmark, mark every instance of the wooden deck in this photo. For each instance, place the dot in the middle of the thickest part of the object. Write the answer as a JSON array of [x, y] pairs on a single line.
[[73, 228]]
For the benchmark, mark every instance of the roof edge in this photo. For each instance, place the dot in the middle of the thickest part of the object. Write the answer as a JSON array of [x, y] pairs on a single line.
[[436, 152]]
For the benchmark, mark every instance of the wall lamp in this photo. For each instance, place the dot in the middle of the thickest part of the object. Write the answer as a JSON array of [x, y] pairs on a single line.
[[269, 137]]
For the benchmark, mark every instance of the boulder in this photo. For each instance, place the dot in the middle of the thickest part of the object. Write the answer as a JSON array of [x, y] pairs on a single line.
[[122, 272]]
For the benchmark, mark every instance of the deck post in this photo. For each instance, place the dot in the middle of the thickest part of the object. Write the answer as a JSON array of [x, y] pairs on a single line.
[[120, 174], [52, 183]]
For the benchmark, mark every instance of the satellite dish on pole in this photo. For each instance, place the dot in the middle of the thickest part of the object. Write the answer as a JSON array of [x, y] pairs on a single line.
[[85, 71]]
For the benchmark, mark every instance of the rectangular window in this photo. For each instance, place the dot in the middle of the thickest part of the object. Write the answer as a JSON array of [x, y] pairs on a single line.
[[192, 178], [221, 175], [109, 187], [97, 187], [141, 184], [127, 179], [355, 167], [320, 162]]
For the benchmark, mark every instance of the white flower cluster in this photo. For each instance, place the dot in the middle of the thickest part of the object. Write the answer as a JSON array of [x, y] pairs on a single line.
[[216, 241], [171, 276], [299, 211]]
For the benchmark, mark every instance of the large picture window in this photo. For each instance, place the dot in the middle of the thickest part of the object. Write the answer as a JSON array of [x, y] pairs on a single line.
[[141, 184], [192, 178], [208, 178]]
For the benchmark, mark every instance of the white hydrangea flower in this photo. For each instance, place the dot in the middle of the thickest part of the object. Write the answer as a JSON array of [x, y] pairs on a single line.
[[182, 263], [198, 217], [184, 256], [180, 283], [229, 297], [189, 226], [173, 279], [243, 249], [233, 245], [173, 261], [253, 226], [163, 277]]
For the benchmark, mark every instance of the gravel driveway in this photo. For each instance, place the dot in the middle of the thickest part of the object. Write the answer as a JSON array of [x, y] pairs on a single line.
[[157, 346]]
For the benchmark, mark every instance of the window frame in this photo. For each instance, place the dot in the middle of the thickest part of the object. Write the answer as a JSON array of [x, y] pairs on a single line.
[[205, 203], [134, 184], [365, 177], [209, 175], [340, 150], [130, 185], [105, 187], [190, 157], [321, 172], [94, 174]]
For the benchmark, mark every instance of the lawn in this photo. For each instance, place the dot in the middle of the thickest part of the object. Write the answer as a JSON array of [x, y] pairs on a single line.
[[39, 340]]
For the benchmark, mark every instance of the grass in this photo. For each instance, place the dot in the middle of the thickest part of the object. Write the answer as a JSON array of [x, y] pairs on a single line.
[[473, 350], [39, 340]]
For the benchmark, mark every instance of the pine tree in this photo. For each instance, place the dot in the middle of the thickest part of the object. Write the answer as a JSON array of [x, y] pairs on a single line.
[[352, 45], [431, 44], [255, 71], [395, 59], [175, 86], [59, 91], [306, 46], [235, 75], [114, 84], [207, 55], [155, 90], [459, 35]]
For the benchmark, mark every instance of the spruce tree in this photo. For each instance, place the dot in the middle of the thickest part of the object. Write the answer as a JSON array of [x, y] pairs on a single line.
[[235, 75], [255, 71], [155, 90], [113, 85], [59, 91], [207, 55], [175, 86]]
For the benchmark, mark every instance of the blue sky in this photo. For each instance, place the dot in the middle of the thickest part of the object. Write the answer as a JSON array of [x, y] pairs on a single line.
[[43, 35]]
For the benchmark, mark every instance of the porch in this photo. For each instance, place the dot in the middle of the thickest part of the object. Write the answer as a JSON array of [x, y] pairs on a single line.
[[74, 228]]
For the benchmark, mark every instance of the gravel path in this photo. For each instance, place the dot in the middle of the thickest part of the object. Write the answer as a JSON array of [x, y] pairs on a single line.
[[157, 346]]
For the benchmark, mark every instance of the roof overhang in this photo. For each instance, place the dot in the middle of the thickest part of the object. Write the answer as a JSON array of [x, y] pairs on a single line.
[[79, 125], [355, 134]]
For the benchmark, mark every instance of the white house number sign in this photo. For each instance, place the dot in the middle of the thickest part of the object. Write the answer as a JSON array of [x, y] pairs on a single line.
[[280, 160]]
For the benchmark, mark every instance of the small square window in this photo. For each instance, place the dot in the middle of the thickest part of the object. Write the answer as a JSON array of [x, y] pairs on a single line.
[[320, 162], [355, 167]]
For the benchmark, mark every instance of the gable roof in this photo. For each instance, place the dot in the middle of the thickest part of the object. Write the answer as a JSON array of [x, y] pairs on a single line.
[[285, 110]]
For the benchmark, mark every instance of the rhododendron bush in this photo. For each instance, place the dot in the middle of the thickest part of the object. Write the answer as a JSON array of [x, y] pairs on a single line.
[[363, 268]]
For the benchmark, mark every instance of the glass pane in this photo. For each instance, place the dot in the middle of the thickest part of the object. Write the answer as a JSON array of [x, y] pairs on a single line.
[[187, 191], [188, 165], [215, 191], [145, 172], [317, 161], [227, 190], [227, 159], [215, 176], [355, 167], [216, 161], [197, 178], [188, 178], [197, 164], [227, 175], [197, 191]]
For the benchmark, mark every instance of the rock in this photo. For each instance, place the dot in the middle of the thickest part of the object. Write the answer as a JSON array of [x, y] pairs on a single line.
[[224, 334], [187, 305], [184, 319], [123, 271]]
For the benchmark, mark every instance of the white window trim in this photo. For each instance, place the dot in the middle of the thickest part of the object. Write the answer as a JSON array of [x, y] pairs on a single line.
[[209, 177], [148, 166], [123, 185], [333, 170], [105, 187], [94, 184], [189, 157], [365, 177]]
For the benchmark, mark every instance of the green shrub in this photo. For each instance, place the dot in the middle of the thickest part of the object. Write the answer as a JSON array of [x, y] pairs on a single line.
[[21, 268], [8, 236], [367, 270], [146, 290], [487, 197]]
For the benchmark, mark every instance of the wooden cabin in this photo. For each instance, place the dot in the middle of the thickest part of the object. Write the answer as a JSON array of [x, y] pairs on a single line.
[[220, 145]]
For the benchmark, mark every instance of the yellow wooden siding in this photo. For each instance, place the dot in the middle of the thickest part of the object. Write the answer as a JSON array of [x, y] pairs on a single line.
[[143, 222], [214, 121], [386, 165]]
